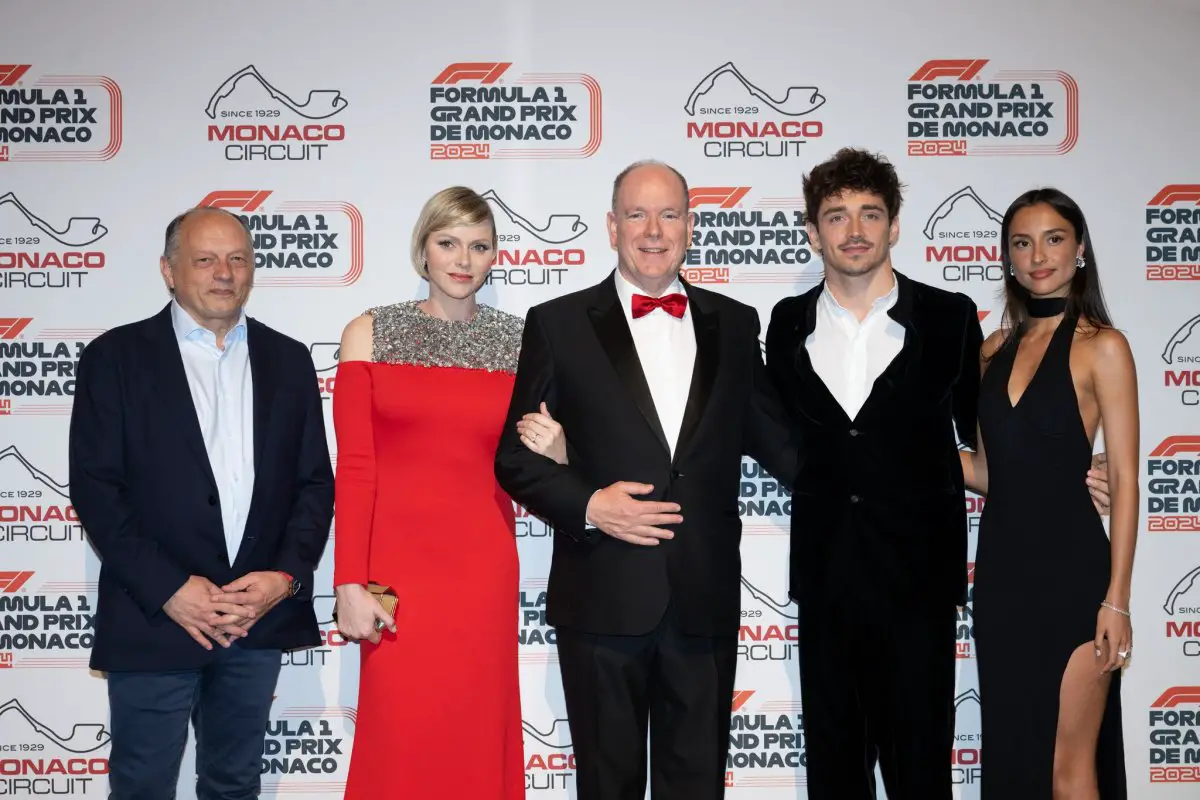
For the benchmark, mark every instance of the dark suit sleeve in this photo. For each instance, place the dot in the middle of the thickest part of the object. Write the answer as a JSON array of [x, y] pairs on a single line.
[[312, 504], [99, 479], [770, 439], [554, 491], [965, 392]]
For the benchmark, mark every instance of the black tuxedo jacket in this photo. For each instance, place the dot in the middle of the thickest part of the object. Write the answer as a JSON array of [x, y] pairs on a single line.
[[579, 357], [144, 490], [878, 505]]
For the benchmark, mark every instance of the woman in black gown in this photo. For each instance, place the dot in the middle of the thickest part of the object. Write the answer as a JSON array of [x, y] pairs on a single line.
[[1051, 597]]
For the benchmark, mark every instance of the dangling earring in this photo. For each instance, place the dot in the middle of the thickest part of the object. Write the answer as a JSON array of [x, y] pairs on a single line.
[[1011, 271], [1080, 262]]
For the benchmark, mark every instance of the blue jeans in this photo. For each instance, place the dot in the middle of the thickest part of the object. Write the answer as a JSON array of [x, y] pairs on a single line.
[[228, 701]]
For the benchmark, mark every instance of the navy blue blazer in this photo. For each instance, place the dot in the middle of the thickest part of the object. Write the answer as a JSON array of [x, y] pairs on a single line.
[[144, 490]]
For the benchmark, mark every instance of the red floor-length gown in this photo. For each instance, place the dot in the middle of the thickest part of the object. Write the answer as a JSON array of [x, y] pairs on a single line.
[[418, 509]]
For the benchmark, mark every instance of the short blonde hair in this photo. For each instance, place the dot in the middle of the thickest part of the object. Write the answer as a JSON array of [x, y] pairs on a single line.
[[449, 208]]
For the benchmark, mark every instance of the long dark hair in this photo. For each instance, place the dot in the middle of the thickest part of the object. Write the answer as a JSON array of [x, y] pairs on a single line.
[[1085, 299]]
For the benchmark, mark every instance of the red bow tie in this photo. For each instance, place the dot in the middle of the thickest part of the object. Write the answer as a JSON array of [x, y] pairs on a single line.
[[673, 304]]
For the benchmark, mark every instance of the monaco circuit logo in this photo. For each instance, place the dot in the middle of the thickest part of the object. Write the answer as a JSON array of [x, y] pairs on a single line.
[[963, 235], [258, 121], [732, 117]]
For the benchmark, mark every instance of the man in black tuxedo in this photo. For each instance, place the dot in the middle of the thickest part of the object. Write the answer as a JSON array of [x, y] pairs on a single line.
[[878, 372], [660, 388], [200, 471]]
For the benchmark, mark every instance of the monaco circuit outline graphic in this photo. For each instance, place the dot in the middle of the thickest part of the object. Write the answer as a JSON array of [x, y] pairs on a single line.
[[38, 475], [779, 608], [321, 103], [946, 206], [73, 235], [788, 106], [326, 348], [1179, 337], [324, 612], [559, 228], [1181, 588], [80, 731], [969, 694], [548, 737]]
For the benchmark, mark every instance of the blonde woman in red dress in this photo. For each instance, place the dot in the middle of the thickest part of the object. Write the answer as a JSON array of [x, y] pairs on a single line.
[[421, 396]]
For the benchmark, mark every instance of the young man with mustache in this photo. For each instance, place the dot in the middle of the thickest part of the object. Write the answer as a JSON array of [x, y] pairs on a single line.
[[878, 372]]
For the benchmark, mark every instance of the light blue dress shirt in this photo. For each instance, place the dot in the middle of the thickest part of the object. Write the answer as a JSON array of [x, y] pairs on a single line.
[[223, 393]]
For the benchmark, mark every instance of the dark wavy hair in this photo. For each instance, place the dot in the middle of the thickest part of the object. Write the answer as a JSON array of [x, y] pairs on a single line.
[[855, 170], [1084, 297]]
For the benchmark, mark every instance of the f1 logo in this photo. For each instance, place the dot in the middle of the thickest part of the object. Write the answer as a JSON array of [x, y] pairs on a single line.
[[1176, 193], [482, 71], [12, 581], [962, 68], [11, 327], [723, 196]]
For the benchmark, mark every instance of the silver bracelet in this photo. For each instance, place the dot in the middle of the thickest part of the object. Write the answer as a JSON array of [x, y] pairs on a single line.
[[1111, 607]]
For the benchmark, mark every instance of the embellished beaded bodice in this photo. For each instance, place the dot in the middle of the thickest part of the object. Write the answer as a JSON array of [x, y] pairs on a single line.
[[404, 334]]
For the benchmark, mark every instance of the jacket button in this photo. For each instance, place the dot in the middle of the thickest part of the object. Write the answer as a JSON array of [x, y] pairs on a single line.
[[676, 474], [212, 500], [854, 431], [855, 498]]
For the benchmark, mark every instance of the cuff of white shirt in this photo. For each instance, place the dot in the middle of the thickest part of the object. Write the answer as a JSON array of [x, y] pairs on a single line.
[[587, 523]]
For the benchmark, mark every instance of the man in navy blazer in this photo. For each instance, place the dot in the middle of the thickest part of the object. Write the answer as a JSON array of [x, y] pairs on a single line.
[[200, 471]]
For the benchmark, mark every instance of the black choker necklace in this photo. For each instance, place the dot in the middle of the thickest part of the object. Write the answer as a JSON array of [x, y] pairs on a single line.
[[1045, 306]]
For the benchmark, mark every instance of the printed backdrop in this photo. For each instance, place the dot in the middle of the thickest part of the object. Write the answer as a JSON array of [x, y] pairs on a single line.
[[327, 128]]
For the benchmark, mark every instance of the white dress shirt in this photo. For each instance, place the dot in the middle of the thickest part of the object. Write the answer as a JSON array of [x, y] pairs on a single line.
[[666, 346], [848, 355], [223, 394]]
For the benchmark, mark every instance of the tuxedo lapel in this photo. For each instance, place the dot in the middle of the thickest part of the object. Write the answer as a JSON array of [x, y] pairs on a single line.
[[172, 387], [825, 405], [704, 372], [612, 330], [900, 369]]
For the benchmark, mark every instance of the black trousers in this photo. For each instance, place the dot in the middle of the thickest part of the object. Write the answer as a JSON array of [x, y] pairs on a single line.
[[681, 686], [877, 686]]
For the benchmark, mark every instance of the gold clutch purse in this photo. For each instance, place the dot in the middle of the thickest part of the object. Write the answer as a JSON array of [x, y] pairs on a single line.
[[386, 597]]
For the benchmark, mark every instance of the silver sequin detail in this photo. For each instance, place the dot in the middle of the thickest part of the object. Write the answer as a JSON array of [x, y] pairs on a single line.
[[404, 334]]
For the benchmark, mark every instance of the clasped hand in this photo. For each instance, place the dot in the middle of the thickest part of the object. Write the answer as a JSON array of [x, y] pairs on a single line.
[[614, 508], [224, 613]]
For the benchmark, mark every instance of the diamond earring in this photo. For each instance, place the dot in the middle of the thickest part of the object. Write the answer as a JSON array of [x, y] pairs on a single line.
[[1080, 262]]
